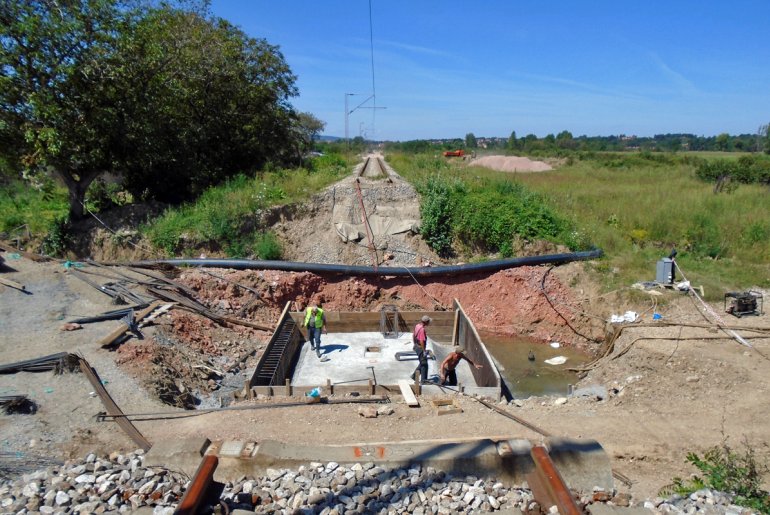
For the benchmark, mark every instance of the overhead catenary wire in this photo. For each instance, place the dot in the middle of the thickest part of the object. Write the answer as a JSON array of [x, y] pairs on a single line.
[[374, 89]]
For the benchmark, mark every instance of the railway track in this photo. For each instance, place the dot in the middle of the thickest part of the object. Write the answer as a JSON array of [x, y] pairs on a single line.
[[373, 168]]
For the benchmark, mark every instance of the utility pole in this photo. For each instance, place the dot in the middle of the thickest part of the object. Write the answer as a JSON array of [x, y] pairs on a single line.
[[347, 114]]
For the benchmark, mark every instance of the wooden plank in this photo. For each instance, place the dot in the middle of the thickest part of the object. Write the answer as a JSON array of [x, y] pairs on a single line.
[[12, 284], [406, 391], [446, 406], [112, 408], [120, 331]]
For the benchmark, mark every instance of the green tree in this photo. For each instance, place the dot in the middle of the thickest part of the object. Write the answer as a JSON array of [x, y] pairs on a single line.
[[723, 142], [172, 98], [564, 140], [57, 93], [470, 141], [307, 128], [512, 142], [204, 102]]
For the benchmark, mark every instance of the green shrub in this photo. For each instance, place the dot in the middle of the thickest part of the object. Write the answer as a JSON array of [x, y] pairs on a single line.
[[704, 238], [102, 195], [727, 470], [747, 169], [55, 242], [756, 232], [436, 214], [490, 218], [267, 246]]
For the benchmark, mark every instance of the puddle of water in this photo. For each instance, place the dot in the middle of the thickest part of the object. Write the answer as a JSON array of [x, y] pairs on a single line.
[[528, 378]]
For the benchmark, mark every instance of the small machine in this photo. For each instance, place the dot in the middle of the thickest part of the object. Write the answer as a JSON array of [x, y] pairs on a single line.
[[744, 303], [665, 272]]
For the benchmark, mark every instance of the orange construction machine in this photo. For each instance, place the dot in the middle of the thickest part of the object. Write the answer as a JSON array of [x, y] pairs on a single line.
[[454, 153]]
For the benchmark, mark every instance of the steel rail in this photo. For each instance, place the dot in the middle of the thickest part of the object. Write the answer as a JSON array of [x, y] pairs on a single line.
[[112, 408], [198, 486], [548, 485]]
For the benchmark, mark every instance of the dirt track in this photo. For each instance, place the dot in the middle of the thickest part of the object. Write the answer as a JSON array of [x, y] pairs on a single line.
[[678, 388]]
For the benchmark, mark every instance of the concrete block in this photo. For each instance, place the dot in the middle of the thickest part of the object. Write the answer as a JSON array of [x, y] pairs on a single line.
[[583, 463], [606, 509]]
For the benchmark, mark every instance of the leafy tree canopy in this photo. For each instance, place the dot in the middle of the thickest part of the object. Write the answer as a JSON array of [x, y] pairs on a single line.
[[170, 97]]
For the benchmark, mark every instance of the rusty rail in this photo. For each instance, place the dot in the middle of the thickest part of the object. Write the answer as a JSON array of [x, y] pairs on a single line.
[[548, 486], [112, 408], [198, 486], [367, 227]]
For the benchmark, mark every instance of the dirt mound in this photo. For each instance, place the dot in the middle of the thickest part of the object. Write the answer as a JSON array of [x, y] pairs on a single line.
[[511, 164], [525, 301], [316, 234]]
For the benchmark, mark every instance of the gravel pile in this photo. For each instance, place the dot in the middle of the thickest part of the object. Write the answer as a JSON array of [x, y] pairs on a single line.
[[121, 484]]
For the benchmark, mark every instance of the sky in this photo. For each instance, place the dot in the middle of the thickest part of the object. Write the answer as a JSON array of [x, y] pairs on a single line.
[[443, 69]]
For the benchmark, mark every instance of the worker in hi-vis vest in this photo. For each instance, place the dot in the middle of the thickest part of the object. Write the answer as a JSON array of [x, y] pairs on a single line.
[[315, 322]]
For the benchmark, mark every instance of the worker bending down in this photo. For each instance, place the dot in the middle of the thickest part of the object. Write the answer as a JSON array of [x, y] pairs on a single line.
[[447, 373]]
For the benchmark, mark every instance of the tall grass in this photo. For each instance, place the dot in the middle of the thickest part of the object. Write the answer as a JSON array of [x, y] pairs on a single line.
[[638, 214], [227, 217], [24, 209], [478, 210]]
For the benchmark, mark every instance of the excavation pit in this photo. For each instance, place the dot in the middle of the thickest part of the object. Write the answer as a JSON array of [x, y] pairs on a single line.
[[359, 355]]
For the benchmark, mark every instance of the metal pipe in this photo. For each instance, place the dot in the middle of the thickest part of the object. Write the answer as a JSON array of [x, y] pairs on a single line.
[[321, 268]]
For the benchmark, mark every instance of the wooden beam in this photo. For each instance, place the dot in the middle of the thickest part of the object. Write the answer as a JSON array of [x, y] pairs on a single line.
[[406, 391], [13, 284], [120, 331]]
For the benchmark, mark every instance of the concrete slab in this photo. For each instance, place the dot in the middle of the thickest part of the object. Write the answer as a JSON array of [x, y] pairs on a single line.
[[583, 463], [183, 454], [350, 355], [506, 459], [606, 509]]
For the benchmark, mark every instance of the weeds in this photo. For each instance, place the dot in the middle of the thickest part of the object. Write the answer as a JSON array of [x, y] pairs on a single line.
[[473, 209], [724, 469], [267, 246], [21, 204], [228, 216], [436, 214], [55, 242]]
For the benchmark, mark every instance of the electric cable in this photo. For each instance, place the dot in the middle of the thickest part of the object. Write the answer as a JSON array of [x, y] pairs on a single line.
[[542, 289]]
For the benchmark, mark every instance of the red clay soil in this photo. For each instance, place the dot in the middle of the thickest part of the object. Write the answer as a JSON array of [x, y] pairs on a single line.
[[510, 302]]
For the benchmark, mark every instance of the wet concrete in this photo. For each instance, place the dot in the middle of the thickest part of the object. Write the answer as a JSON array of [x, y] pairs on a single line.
[[351, 354]]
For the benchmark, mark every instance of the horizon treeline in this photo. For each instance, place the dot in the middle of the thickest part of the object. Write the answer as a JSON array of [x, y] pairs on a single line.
[[565, 141]]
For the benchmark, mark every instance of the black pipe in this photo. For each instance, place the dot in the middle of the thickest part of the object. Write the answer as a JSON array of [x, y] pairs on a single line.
[[425, 271]]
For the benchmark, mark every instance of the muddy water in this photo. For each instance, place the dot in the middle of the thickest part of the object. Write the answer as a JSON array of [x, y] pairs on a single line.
[[527, 378]]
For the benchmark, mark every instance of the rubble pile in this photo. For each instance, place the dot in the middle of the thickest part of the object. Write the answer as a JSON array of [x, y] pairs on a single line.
[[120, 483]]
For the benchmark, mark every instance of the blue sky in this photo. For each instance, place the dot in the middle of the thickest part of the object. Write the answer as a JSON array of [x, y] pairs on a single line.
[[444, 69]]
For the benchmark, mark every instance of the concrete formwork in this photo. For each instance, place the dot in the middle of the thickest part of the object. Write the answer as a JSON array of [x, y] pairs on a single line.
[[359, 355]]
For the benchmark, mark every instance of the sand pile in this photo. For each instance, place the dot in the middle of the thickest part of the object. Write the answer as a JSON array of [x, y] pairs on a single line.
[[511, 164]]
